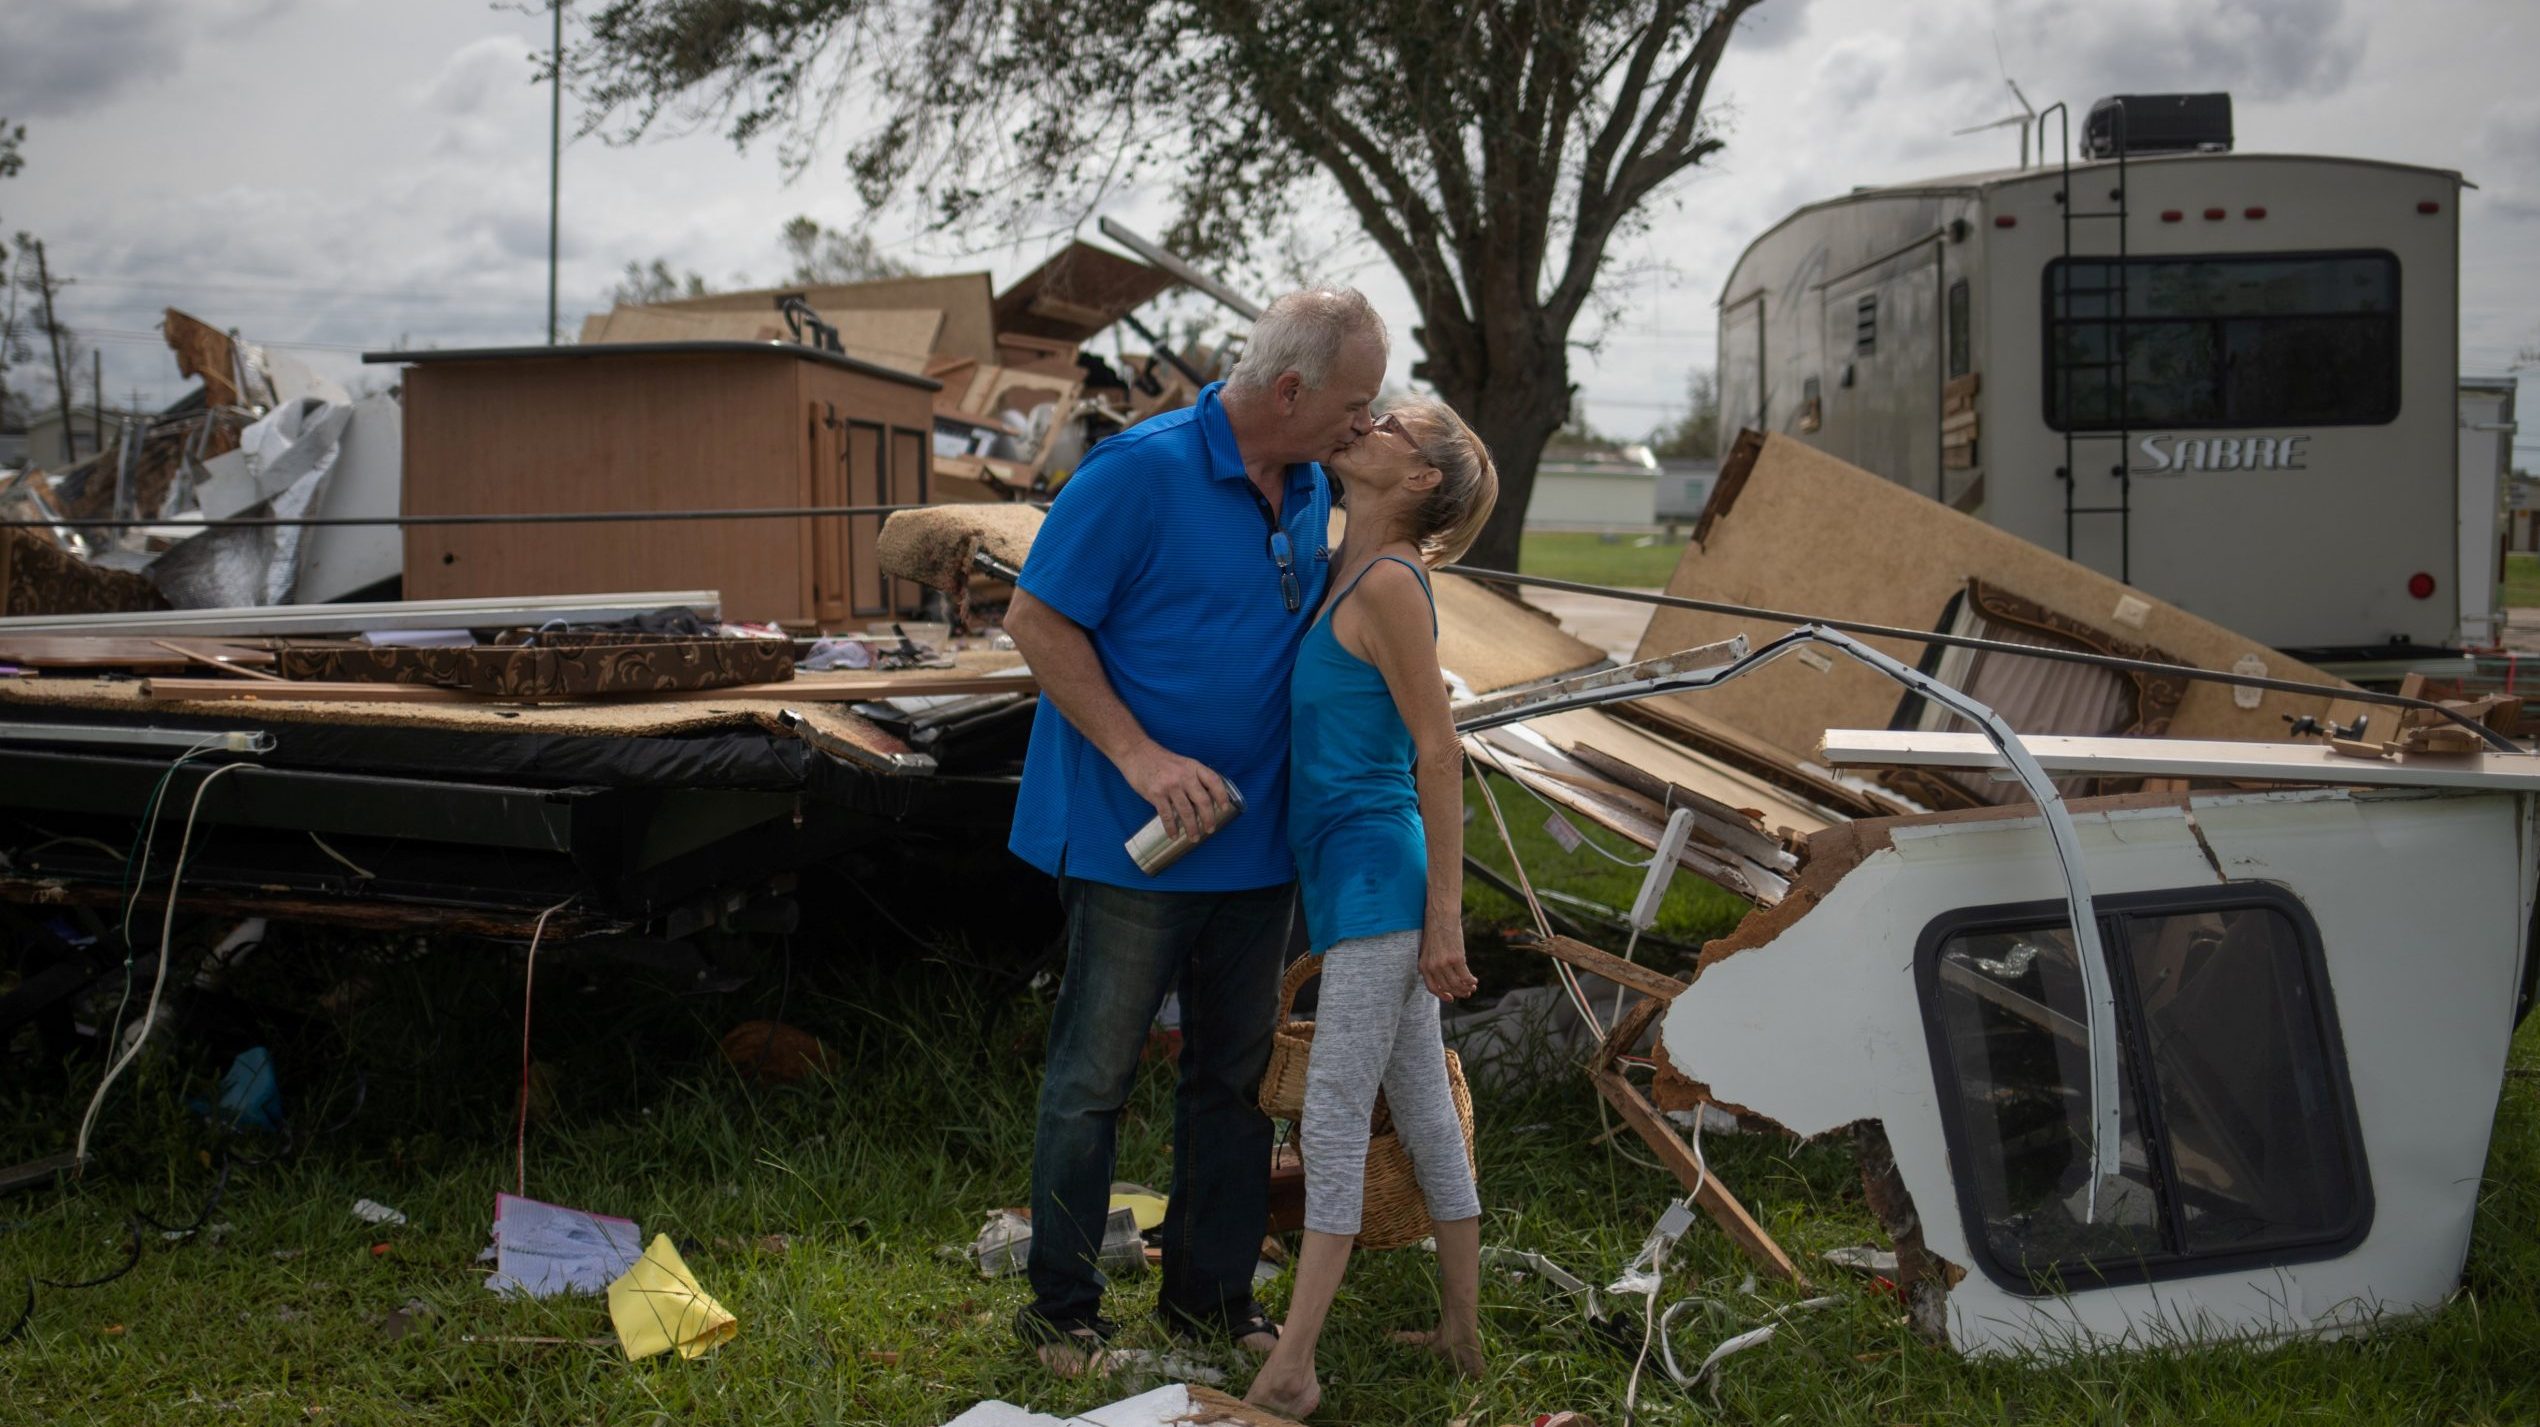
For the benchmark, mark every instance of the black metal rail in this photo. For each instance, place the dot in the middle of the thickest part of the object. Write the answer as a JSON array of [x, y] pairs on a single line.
[[2348, 693], [566, 517]]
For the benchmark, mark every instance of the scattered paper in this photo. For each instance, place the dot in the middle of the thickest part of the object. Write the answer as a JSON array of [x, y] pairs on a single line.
[[1163, 1407], [541, 1250], [1146, 1209], [658, 1306], [371, 1211]]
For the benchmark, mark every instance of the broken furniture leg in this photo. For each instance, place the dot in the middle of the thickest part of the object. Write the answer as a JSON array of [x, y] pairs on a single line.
[[1658, 988], [1708, 1191]]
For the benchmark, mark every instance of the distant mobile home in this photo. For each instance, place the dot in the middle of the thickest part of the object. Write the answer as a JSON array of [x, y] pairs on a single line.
[[2228, 379]]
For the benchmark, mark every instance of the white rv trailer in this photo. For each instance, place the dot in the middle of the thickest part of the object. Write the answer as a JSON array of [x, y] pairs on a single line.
[[2246, 362], [2487, 450]]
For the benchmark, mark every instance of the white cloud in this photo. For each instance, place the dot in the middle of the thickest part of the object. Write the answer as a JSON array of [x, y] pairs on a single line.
[[365, 172], [64, 57]]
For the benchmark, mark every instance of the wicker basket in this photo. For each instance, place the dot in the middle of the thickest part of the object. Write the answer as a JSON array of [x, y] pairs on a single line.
[[1282, 1094], [1396, 1213]]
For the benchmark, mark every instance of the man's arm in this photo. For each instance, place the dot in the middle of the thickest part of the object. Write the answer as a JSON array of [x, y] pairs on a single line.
[[1184, 791]]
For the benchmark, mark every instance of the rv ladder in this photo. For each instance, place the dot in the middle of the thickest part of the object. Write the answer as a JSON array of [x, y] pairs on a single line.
[[2114, 348]]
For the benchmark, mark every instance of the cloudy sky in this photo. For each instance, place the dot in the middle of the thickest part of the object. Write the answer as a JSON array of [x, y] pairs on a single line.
[[346, 174]]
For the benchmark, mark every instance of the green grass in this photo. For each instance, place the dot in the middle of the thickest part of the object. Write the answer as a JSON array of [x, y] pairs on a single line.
[[871, 1172], [1632, 561], [2522, 580]]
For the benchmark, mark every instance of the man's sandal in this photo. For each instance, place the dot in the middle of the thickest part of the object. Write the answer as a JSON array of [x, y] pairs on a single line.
[[1194, 1332], [1066, 1352]]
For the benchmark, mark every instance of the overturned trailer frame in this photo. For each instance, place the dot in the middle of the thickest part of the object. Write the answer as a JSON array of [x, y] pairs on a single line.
[[2161, 1061]]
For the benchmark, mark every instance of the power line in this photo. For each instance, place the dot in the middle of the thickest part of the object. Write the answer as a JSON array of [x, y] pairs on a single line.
[[295, 289]]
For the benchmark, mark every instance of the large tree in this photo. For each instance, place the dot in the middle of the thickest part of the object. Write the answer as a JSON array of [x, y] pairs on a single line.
[[1490, 149]]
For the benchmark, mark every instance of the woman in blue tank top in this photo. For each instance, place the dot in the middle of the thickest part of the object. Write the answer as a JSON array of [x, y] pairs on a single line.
[[1375, 818]]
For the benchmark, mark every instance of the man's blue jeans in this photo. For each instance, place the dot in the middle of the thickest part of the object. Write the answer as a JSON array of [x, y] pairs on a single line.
[[1222, 951]]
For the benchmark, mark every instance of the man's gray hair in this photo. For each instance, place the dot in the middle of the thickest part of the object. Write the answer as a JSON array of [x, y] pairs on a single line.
[[1303, 333]]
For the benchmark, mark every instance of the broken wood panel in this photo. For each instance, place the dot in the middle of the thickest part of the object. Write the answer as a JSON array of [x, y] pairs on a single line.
[[1493, 642], [1738, 829], [1792, 528], [966, 301], [1607, 734], [1077, 294], [1643, 826]]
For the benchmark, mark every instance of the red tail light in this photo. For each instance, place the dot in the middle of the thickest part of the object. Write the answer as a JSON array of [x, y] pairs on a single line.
[[2005, 220], [2253, 213], [2421, 585], [2214, 215], [2171, 215], [2429, 206]]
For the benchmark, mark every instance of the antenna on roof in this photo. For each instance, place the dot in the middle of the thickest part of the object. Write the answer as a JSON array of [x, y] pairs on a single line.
[[2026, 116]]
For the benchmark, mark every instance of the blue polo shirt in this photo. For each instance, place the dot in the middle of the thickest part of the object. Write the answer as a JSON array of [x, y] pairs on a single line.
[[1158, 549]]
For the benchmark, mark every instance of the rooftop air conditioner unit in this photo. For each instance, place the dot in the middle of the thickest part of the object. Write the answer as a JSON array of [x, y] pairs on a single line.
[[2157, 124]]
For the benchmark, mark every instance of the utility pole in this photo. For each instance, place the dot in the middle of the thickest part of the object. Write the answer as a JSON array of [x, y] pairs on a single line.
[[555, 156], [61, 376], [97, 397]]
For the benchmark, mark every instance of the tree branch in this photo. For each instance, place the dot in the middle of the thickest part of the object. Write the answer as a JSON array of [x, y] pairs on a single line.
[[1604, 200]]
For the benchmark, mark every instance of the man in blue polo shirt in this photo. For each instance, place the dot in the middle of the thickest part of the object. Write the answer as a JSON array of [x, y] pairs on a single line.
[[1161, 609]]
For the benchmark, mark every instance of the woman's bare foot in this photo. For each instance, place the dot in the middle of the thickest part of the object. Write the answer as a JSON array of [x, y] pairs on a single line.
[[1288, 1394], [1463, 1350]]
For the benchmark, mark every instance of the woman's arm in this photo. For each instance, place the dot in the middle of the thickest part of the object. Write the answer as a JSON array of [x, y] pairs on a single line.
[[1397, 637]]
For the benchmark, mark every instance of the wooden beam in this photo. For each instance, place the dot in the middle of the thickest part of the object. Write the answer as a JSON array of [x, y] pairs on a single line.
[[1708, 1192], [1632, 974], [1626, 1031], [810, 688]]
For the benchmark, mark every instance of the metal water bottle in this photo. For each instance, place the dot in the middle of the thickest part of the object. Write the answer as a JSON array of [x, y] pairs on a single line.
[[1154, 849]]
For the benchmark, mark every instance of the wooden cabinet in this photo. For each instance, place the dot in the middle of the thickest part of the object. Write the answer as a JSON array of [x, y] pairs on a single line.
[[663, 426]]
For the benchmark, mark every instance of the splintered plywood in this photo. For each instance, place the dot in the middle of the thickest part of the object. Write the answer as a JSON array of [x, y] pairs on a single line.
[[1806, 532], [1077, 294], [965, 299], [1493, 642], [898, 338], [1598, 731]]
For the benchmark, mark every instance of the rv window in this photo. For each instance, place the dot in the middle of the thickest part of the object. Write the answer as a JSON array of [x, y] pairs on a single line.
[[2238, 1139], [2307, 339], [1961, 361]]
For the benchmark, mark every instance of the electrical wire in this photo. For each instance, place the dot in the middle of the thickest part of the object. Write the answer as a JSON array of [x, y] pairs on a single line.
[[528, 988], [1555, 809], [136, 868], [159, 974]]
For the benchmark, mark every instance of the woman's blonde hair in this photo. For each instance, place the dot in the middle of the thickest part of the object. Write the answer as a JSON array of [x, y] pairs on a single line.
[[1451, 519]]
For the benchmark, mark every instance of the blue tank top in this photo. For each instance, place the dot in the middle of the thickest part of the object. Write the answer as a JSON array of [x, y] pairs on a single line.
[[1362, 858]]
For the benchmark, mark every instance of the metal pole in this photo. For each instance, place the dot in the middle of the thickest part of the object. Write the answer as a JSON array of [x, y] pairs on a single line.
[[61, 375], [97, 397], [1155, 253], [555, 156]]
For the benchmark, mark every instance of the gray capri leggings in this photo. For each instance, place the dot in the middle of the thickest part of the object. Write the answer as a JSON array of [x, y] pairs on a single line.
[[1375, 1023]]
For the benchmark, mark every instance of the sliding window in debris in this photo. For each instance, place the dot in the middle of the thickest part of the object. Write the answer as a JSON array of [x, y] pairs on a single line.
[[2239, 1140]]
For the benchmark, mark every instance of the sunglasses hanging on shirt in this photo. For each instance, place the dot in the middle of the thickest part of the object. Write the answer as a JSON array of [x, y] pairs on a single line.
[[1282, 552]]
